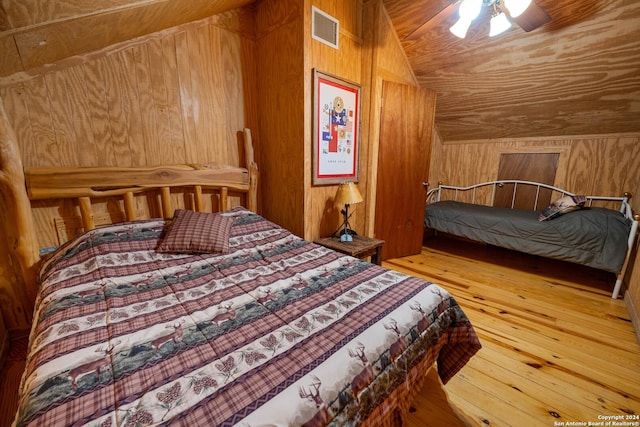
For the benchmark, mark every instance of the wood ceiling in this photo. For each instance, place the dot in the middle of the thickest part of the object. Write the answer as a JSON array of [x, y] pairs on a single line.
[[35, 33], [577, 75]]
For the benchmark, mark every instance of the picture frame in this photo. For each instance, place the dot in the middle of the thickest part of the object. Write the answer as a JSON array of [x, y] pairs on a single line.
[[336, 129]]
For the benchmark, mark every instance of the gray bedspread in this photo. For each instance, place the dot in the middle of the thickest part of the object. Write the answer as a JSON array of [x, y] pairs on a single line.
[[595, 237]]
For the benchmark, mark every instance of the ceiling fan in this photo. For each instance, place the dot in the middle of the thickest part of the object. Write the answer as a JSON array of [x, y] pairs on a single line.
[[526, 13]]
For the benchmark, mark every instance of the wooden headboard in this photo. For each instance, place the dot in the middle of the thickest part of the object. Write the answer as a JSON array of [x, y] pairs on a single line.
[[82, 187]]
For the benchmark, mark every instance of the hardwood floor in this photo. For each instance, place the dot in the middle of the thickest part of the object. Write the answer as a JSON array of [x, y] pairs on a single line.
[[556, 348]]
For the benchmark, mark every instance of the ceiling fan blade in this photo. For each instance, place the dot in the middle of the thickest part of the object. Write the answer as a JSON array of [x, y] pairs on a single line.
[[433, 22], [532, 18]]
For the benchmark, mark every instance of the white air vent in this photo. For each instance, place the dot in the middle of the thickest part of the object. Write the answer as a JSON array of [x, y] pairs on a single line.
[[324, 28]]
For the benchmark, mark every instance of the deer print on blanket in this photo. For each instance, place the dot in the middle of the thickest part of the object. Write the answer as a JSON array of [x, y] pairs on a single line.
[[361, 381], [225, 312], [312, 393], [175, 336], [102, 364], [423, 323], [399, 345]]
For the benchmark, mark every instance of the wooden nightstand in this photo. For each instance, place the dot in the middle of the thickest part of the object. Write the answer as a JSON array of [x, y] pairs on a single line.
[[361, 247]]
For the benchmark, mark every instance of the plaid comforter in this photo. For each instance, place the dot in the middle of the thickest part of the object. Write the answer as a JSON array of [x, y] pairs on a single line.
[[280, 331]]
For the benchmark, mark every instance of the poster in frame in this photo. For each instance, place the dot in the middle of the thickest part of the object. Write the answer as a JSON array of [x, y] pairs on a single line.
[[336, 129]]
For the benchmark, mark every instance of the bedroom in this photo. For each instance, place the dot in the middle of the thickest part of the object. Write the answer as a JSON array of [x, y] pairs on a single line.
[[130, 86]]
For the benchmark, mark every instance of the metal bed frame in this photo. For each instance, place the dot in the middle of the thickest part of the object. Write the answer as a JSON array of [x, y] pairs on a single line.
[[436, 194]]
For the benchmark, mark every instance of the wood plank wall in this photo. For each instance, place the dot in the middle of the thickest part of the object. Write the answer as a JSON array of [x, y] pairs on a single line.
[[285, 90], [177, 96], [281, 93], [347, 63], [368, 52], [603, 164], [159, 99]]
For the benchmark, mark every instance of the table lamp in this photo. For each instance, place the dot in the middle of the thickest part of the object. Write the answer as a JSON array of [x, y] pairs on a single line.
[[346, 195]]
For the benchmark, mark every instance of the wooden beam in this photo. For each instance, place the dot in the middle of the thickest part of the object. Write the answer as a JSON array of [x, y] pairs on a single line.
[[252, 166], [197, 198], [21, 227], [86, 213], [129, 206], [165, 198], [49, 183]]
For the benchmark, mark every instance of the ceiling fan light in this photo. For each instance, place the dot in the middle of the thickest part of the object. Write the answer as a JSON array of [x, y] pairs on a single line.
[[459, 29], [516, 7], [469, 9], [499, 24]]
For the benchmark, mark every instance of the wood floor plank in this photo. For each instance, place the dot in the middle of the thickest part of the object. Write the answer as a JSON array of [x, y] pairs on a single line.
[[508, 396], [565, 310], [432, 408], [597, 321], [495, 399], [553, 347], [584, 392], [556, 347], [559, 290], [577, 365], [476, 415], [574, 343]]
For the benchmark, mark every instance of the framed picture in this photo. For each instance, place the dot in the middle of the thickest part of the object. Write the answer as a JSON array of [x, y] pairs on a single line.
[[336, 128]]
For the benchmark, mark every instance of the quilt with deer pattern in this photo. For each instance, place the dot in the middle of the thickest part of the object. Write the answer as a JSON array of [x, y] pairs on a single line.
[[279, 331]]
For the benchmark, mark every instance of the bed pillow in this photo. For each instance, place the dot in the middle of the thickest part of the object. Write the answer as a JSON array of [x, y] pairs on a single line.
[[562, 206], [197, 232]]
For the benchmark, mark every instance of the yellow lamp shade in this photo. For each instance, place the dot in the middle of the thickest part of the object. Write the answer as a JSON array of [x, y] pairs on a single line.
[[347, 194]]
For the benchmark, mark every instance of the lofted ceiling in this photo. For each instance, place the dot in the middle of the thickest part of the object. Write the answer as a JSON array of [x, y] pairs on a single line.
[[34, 33], [577, 75]]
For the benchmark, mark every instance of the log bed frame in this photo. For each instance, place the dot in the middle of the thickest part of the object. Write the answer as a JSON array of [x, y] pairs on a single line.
[[20, 187], [81, 185]]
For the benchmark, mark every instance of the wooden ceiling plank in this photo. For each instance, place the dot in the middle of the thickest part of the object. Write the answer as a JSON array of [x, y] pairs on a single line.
[[433, 22], [22, 13], [577, 75], [49, 43], [10, 59], [407, 16]]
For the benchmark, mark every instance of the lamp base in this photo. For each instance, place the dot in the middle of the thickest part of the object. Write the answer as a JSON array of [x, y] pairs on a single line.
[[346, 238], [346, 235]]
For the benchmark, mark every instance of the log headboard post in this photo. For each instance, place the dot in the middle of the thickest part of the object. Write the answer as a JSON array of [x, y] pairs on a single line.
[[252, 167], [20, 229]]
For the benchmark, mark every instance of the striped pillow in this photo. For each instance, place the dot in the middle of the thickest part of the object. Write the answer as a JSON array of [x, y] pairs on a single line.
[[197, 232], [562, 206]]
